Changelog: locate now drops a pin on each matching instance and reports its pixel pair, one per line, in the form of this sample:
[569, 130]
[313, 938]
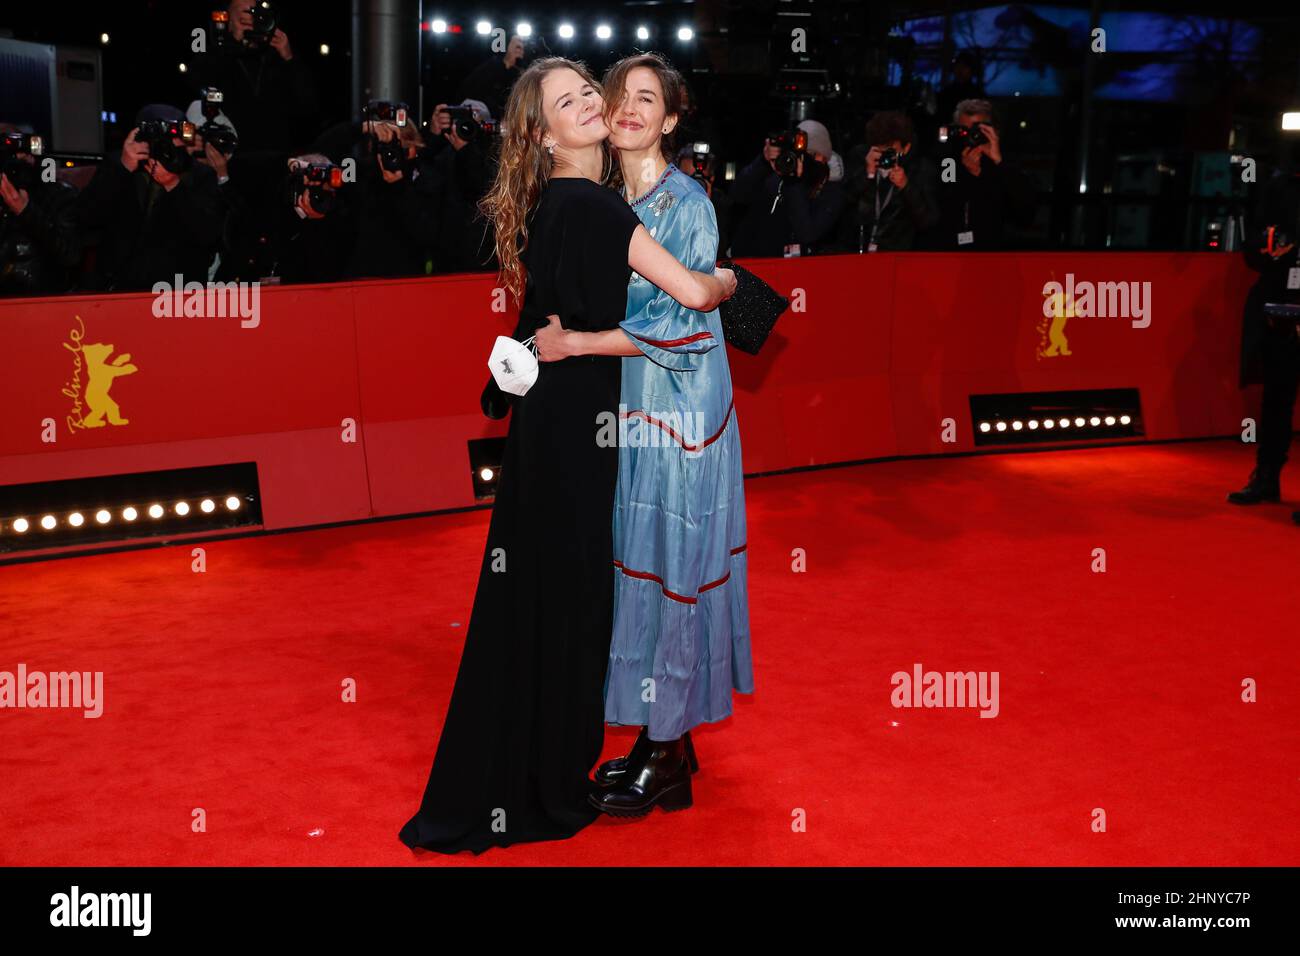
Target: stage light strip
[50, 521]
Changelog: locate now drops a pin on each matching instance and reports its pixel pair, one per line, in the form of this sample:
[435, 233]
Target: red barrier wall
[882, 349]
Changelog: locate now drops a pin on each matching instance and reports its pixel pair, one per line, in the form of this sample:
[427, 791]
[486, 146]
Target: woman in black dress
[526, 720]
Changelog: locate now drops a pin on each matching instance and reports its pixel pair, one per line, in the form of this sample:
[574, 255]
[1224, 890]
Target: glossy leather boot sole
[675, 797]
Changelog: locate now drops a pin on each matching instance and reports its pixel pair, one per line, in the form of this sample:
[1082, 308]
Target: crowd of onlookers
[219, 190]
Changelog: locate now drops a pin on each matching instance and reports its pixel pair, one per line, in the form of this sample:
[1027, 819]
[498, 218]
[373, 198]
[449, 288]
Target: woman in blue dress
[681, 614]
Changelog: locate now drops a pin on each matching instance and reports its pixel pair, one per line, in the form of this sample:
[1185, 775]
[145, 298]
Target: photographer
[39, 247]
[463, 153]
[156, 213]
[988, 191]
[1270, 349]
[269, 94]
[315, 223]
[701, 165]
[790, 198]
[215, 141]
[891, 189]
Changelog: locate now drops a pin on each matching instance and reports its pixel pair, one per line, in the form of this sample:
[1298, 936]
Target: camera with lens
[793, 145]
[889, 158]
[21, 174]
[161, 134]
[958, 138]
[320, 181]
[264, 24]
[391, 153]
[467, 127]
[701, 160]
[220, 135]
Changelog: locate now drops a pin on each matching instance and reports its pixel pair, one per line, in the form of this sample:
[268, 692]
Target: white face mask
[513, 364]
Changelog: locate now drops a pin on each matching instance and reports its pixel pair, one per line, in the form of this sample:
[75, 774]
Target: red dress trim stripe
[682, 598]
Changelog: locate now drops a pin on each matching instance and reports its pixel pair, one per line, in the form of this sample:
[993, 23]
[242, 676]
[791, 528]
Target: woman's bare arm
[695, 290]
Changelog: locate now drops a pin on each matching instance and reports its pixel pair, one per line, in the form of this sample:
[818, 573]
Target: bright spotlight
[1049, 422]
[129, 513]
[208, 506]
[155, 511]
[603, 32]
[1291, 121]
[21, 525]
[642, 33]
[486, 473]
[1016, 426]
[439, 26]
[183, 68]
[685, 34]
[524, 29]
[1065, 423]
[76, 519]
[182, 508]
[566, 31]
[1033, 424]
[324, 49]
[1110, 419]
[985, 427]
[48, 522]
[1124, 420]
[1002, 426]
[1094, 421]
[1080, 422]
[232, 503]
[483, 27]
[103, 516]
[103, 38]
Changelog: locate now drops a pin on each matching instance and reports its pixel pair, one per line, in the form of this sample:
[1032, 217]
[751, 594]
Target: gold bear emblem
[101, 374]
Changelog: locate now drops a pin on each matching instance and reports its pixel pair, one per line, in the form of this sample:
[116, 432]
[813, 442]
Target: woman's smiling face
[639, 119]
[573, 109]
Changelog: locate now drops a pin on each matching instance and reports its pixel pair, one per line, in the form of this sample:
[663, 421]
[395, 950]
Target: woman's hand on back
[552, 341]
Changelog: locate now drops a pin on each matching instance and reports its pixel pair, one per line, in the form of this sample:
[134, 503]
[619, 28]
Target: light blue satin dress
[681, 612]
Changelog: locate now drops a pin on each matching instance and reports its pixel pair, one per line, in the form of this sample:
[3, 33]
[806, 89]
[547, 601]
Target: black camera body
[793, 145]
[701, 157]
[889, 158]
[264, 25]
[161, 134]
[20, 173]
[958, 138]
[320, 181]
[391, 153]
[467, 127]
[221, 136]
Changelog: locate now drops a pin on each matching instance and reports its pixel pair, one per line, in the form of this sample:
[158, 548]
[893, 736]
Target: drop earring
[550, 150]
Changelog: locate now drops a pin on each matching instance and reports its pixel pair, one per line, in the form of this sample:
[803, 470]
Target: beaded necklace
[651, 191]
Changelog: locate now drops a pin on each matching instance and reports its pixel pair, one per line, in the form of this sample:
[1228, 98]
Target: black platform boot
[616, 769]
[664, 780]
[1263, 485]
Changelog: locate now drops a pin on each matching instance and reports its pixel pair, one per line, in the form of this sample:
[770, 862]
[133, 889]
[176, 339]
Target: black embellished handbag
[748, 316]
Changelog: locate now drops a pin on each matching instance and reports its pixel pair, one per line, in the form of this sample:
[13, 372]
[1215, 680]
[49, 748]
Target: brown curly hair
[523, 168]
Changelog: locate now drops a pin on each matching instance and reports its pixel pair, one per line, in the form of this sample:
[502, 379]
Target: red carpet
[1119, 691]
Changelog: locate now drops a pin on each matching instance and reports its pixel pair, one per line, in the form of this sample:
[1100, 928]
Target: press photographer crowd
[243, 182]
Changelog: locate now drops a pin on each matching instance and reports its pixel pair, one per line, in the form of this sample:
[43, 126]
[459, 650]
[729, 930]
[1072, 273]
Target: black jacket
[761, 230]
[146, 234]
[905, 215]
[1278, 205]
[982, 205]
[40, 249]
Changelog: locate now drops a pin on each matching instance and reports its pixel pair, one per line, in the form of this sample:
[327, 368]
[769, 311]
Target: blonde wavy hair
[523, 167]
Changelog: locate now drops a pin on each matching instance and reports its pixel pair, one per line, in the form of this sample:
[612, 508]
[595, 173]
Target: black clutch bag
[748, 316]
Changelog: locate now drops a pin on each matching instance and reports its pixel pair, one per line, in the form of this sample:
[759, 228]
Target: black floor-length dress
[526, 720]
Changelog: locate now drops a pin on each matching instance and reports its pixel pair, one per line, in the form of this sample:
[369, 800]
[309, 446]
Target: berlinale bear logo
[92, 358]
